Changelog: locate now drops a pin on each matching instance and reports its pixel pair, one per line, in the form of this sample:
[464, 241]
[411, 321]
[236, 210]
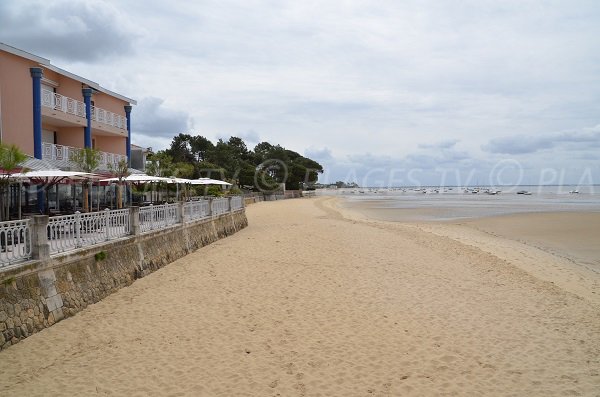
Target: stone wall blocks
[67, 284]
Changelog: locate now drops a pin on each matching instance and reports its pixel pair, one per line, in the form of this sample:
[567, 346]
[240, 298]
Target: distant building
[50, 113]
[139, 157]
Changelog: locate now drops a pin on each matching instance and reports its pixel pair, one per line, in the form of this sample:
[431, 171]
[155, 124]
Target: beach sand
[311, 301]
[561, 247]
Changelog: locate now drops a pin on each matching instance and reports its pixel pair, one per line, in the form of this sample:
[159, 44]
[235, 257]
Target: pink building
[49, 113]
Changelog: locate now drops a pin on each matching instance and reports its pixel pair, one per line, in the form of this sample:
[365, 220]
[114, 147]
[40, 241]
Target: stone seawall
[40, 293]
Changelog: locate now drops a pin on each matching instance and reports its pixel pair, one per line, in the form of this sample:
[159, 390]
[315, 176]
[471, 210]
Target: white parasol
[209, 181]
[140, 178]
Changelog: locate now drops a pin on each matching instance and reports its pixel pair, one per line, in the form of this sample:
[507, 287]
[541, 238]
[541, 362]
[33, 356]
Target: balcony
[109, 118]
[71, 112]
[65, 154]
[62, 103]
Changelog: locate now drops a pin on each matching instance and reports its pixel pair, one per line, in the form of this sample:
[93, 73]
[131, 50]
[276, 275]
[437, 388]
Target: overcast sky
[376, 91]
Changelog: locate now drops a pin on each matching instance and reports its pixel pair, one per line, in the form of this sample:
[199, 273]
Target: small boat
[574, 192]
[524, 192]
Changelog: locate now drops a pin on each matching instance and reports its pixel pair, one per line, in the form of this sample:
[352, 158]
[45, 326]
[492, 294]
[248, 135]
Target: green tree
[206, 169]
[120, 171]
[200, 147]
[189, 148]
[11, 158]
[86, 160]
[181, 150]
[160, 164]
[225, 157]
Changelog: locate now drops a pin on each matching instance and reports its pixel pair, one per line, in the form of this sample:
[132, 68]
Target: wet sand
[313, 301]
[570, 234]
[560, 247]
[573, 235]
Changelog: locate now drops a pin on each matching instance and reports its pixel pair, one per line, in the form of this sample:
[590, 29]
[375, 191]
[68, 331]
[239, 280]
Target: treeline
[262, 168]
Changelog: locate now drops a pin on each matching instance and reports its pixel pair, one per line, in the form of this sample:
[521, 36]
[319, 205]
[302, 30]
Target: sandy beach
[311, 300]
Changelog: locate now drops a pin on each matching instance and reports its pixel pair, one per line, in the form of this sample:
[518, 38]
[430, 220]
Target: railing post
[40, 248]
[180, 213]
[152, 210]
[77, 229]
[134, 220]
[106, 222]
[229, 203]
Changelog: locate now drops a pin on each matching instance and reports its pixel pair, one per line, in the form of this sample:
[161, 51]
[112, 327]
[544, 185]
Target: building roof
[143, 149]
[46, 64]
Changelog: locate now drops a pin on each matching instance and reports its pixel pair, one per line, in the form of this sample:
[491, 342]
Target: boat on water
[493, 192]
[574, 192]
[524, 192]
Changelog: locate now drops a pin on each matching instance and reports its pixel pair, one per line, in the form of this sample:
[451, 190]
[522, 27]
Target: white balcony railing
[51, 151]
[109, 118]
[62, 103]
[65, 104]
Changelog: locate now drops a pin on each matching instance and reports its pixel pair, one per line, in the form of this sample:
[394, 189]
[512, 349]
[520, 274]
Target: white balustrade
[155, 217]
[69, 105]
[195, 210]
[15, 242]
[237, 202]
[219, 206]
[51, 151]
[62, 103]
[69, 232]
[106, 117]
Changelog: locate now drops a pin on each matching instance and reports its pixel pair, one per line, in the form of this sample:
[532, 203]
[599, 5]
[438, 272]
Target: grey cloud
[530, 144]
[250, 137]
[153, 142]
[151, 118]
[447, 144]
[323, 154]
[71, 30]
[517, 144]
[319, 110]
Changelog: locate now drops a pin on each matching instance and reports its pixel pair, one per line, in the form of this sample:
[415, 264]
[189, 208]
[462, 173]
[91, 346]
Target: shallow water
[448, 204]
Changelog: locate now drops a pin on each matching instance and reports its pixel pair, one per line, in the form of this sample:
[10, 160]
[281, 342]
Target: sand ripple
[306, 303]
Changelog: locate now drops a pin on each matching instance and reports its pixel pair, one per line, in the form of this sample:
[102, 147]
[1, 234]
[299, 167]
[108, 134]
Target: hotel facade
[50, 113]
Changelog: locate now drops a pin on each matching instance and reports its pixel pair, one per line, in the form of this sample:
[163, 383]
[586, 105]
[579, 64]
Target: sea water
[454, 203]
